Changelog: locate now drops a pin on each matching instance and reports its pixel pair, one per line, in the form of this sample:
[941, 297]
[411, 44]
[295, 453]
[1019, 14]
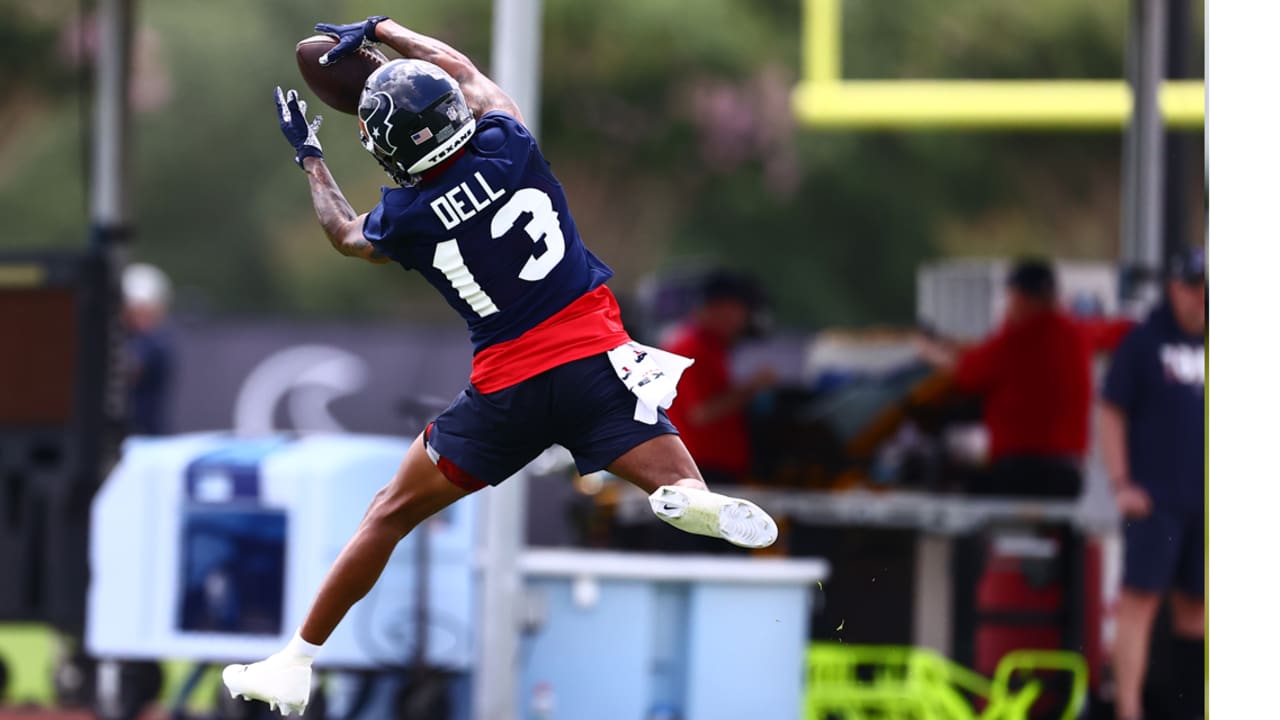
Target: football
[339, 84]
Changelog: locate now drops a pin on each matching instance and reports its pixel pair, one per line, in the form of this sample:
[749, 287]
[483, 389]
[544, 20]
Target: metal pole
[109, 223]
[109, 208]
[1177, 146]
[517, 54]
[1142, 244]
[517, 33]
[109, 226]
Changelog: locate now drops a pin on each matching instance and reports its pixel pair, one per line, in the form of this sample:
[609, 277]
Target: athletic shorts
[1163, 551]
[482, 439]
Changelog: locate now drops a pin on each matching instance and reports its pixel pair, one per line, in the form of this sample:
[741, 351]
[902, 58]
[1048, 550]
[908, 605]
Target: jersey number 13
[544, 227]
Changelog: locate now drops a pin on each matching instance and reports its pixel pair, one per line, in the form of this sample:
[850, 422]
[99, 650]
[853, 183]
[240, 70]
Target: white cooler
[211, 547]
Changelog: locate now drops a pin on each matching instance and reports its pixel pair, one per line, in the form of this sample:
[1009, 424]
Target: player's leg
[662, 467]
[417, 491]
[1187, 598]
[1188, 615]
[1187, 605]
[1151, 551]
[593, 415]
[1135, 614]
[659, 461]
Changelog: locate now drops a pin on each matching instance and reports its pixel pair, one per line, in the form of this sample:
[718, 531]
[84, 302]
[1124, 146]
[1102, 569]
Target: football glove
[350, 37]
[293, 123]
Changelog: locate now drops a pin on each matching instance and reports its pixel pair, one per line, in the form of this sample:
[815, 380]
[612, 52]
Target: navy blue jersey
[149, 360]
[493, 233]
[1157, 378]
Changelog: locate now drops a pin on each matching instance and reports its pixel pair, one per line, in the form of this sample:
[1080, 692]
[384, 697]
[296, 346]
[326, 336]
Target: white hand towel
[650, 374]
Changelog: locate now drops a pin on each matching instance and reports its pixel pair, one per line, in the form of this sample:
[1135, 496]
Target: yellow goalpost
[823, 98]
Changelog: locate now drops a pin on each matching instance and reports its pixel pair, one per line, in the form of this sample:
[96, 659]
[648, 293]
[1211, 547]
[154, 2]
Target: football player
[477, 212]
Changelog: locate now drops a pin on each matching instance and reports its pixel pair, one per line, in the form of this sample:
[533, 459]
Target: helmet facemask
[402, 178]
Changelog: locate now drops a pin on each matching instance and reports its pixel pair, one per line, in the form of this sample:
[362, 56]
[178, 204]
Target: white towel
[650, 374]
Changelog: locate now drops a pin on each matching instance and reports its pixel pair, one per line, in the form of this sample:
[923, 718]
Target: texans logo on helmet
[376, 124]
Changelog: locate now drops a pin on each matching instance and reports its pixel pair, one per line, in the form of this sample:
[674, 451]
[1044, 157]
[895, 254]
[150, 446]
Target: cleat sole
[701, 512]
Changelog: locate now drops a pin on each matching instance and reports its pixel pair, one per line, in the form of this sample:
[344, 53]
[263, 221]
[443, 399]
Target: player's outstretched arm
[344, 228]
[341, 224]
[482, 93]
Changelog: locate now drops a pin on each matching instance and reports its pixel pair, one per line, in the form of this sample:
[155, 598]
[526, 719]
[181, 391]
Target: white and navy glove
[293, 123]
[350, 37]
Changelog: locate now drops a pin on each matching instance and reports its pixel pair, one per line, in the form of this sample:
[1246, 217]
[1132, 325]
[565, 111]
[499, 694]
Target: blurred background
[199, 397]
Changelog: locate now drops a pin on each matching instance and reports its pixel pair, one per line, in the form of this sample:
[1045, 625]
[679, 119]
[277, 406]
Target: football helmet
[412, 116]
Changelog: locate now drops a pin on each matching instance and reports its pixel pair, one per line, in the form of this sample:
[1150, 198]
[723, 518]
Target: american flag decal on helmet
[421, 136]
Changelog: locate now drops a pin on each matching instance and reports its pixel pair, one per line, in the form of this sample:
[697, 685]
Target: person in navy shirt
[480, 216]
[1152, 435]
[149, 348]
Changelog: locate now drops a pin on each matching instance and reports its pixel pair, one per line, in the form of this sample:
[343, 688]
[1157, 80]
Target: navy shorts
[1165, 550]
[482, 439]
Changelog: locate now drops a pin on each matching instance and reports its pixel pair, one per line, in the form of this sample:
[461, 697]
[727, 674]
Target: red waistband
[588, 326]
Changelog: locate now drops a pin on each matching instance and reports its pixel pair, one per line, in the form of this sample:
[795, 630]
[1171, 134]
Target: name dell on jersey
[452, 208]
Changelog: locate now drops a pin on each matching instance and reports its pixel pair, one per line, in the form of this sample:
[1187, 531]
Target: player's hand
[1133, 501]
[934, 351]
[293, 123]
[350, 37]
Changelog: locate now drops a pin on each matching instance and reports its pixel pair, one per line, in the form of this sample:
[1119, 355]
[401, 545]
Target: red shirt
[721, 444]
[1035, 378]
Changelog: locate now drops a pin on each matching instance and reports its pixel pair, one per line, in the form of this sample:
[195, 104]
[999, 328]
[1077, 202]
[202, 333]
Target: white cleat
[282, 681]
[702, 512]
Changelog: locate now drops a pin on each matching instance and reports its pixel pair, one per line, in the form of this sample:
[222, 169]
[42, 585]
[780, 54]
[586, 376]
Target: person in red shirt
[1034, 376]
[710, 410]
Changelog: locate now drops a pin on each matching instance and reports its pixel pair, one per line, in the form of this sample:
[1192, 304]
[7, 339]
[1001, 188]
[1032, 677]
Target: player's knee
[1189, 626]
[1138, 605]
[410, 499]
[1188, 617]
[395, 510]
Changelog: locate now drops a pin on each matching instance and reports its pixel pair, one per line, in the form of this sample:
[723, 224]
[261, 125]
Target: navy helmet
[412, 117]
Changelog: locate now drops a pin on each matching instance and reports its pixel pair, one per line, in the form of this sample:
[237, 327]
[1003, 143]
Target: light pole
[1142, 237]
[517, 45]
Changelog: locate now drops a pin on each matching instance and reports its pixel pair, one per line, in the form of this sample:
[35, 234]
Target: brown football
[339, 84]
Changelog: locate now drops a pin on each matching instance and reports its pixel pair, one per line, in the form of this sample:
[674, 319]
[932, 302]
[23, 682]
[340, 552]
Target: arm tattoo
[336, 215]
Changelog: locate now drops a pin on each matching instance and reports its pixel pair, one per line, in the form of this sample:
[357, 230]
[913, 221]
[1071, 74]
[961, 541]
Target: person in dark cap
[1152, 435]
[710, 409]
[1034, 377]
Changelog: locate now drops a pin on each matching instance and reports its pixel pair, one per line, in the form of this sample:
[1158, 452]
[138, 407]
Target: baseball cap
[1188, 265]
[1033, 277]
[723, 284]
[143, 284]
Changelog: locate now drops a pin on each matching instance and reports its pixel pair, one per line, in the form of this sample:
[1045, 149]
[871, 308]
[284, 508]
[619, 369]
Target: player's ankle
[301, 649]
[694, 483]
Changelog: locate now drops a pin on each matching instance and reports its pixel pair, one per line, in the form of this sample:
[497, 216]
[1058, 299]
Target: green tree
[668, 122]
